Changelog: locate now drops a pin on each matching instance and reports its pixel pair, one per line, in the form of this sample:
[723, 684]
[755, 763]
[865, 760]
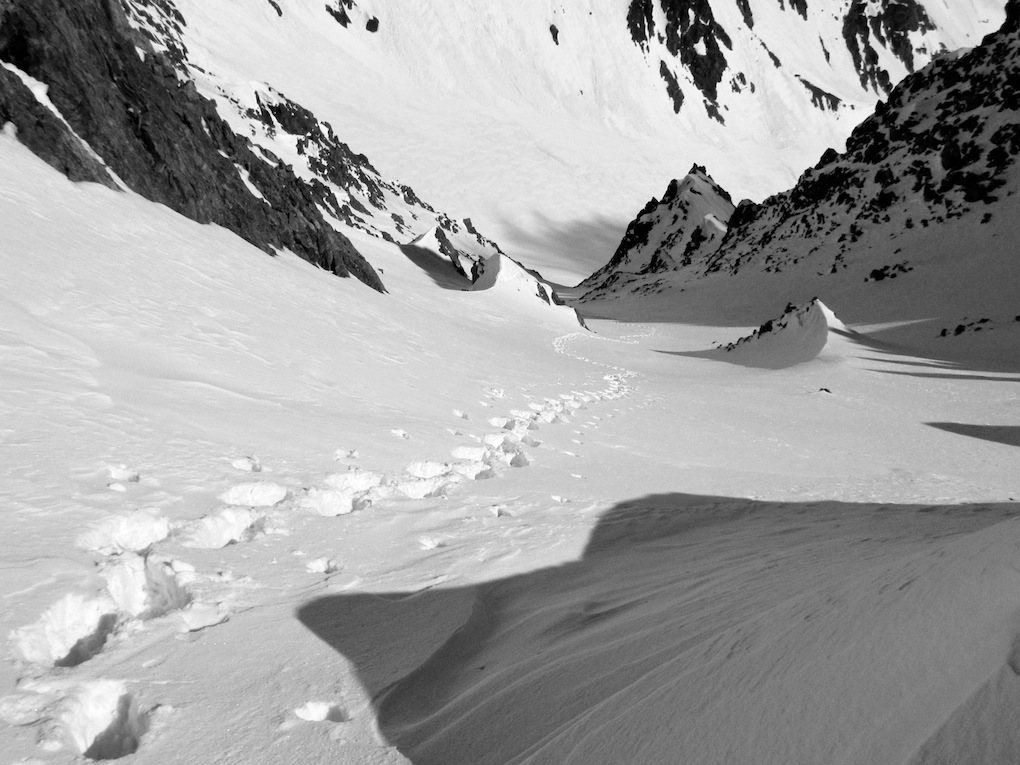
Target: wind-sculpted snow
[795, 337]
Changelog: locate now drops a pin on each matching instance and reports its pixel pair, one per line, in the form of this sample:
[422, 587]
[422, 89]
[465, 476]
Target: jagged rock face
[344, 183]
[690, 34]
[163, 139]
[667, 234]
[888, 24]
[45, 134]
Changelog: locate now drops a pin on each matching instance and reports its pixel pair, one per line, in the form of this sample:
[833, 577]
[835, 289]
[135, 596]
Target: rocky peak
[669, 233]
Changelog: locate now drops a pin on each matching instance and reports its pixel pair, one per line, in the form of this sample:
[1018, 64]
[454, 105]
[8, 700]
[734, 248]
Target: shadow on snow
[463, 675]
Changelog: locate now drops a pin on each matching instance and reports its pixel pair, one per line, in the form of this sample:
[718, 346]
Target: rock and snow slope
[914, 221]
[800, 334]
[667, 234]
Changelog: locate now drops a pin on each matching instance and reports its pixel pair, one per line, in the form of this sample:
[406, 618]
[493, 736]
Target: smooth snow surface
[255, 513]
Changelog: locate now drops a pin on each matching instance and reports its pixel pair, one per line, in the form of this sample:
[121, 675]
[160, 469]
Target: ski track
[101, 716]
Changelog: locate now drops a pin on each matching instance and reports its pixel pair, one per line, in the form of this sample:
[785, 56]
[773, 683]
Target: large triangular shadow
[462, 675]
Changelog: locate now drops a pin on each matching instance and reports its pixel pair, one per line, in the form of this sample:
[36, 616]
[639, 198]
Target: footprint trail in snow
[145, 588]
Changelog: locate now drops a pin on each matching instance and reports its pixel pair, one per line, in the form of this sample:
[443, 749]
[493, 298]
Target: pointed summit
[668, 233]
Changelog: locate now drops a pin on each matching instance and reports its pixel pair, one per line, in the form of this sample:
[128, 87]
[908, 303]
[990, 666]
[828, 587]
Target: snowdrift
[799, 335]
[476, 265]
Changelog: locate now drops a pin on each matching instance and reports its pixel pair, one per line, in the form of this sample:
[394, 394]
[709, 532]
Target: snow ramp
[802, 333]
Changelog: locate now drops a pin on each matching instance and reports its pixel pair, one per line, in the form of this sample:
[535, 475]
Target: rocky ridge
[940, 147]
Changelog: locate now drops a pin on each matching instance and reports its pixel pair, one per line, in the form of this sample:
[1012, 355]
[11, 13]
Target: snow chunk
[354, 480]
[70, 632]
[198, 616]
[125, 533]
[103, 719]
[232, 524]
[145, 588]
[254, 494]
[322, 711]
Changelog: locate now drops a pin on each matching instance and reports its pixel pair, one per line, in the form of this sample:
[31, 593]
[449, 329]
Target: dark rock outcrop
[691, 34]
[676, 95]
[46, 135]
[158, 134]
[891, 26]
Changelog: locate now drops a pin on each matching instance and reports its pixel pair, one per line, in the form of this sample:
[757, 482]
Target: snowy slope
[226, 476]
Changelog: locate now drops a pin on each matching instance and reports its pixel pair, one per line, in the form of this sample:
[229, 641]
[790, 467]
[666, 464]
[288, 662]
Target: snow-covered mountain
[913, 220]
[523, 118]
[127, 114]
[526, 130]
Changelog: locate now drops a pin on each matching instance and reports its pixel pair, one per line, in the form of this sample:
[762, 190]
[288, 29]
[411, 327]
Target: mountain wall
[122, 101]
[924, 197]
